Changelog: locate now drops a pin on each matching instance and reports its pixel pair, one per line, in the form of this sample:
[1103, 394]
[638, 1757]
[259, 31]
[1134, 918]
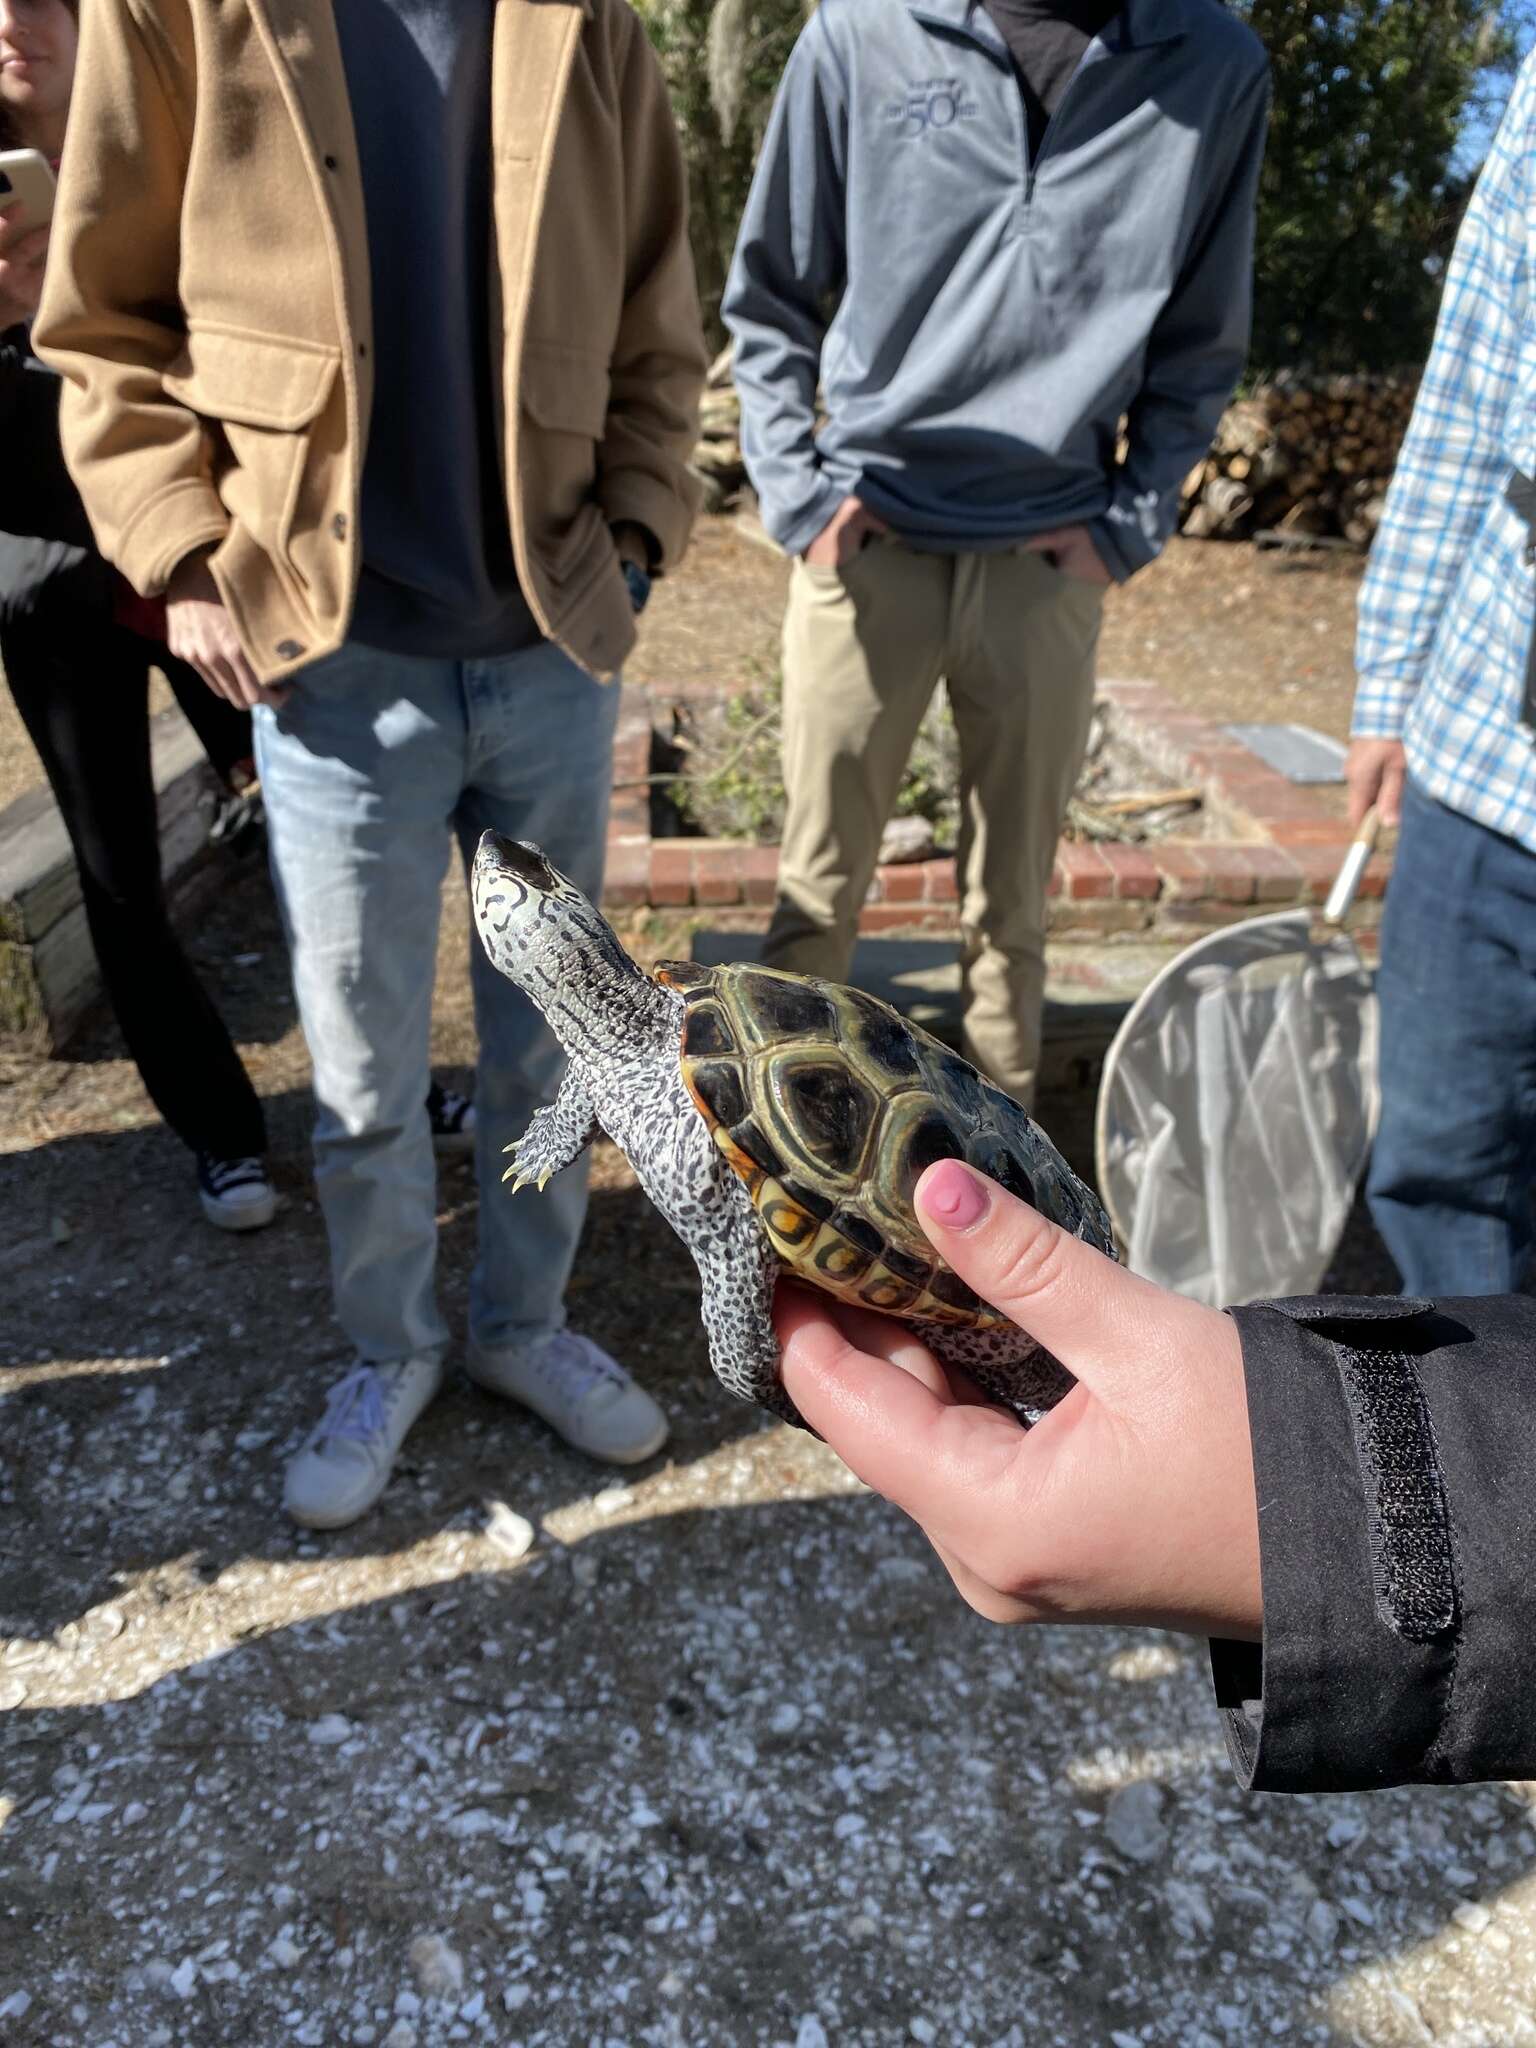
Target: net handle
[1344, 890]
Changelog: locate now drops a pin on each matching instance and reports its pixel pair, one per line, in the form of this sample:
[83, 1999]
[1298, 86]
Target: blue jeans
[1450, 1180]
[366, 771]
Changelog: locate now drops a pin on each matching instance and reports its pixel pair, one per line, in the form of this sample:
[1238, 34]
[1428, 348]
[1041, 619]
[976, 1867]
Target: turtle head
[542, 933]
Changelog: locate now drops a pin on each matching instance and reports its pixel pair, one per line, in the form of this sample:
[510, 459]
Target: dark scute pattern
[809, 1197]
[719, 1086]
[964, 1088]
[885, 1037]
[841, 1263]
[757, 1148]
[790, 1222]
[860, 1231]
[905, 1266]
[952, 1291]
[930, 1140]
[1001, 1165]
[706, 1032]
[831, 1110]
[889, 1296]
[787, 1009]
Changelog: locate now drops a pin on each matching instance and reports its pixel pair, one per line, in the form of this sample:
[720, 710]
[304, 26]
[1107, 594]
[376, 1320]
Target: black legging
[224, 731]
[82, 688]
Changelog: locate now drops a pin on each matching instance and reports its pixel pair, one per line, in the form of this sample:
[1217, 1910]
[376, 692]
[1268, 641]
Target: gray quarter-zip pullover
[981, 321]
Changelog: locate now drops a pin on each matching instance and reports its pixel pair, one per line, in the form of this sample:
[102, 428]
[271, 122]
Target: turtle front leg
[1006, 1364]
[556, 1135]
[738, 1269]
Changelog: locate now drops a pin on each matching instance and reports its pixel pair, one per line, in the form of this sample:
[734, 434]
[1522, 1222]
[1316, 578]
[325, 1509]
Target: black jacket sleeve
[37, 498]
[1395, 1457]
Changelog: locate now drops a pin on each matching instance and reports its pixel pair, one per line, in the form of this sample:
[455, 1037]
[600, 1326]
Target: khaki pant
[864, 648]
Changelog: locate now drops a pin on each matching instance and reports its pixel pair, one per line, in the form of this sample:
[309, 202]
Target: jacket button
[289, 650]
[339, 526]
[332, 164]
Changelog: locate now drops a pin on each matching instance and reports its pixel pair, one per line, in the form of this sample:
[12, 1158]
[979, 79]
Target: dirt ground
[538, 1756]
[1237, 634]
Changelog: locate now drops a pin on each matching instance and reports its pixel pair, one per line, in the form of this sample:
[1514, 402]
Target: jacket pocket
[260, 396]
[563, 406]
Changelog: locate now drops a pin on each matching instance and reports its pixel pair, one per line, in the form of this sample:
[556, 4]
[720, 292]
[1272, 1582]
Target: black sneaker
[453, 1120]
[235, 1193]
[238, 820]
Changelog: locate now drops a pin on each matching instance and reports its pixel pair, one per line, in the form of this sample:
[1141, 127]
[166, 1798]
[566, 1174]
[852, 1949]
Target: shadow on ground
[155, 1396]
[724, 1773]
[720, 1759]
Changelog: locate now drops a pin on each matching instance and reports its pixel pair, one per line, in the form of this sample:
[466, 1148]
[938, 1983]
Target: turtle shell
[830, 1104]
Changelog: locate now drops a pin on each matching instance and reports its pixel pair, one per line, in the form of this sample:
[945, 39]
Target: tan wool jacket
[207, 303]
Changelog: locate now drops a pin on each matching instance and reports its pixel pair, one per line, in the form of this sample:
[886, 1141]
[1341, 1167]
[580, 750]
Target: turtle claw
[545, 1178]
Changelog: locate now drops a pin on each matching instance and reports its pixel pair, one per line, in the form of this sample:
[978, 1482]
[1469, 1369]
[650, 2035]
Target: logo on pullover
[938, 103]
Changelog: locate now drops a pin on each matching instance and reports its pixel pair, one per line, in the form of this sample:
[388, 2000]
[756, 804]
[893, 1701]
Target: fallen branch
[715, 774]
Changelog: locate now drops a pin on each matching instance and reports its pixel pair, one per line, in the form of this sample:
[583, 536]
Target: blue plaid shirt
[1448, 605]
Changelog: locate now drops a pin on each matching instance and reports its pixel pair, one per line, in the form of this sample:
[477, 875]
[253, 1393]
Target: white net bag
[1238, 1105]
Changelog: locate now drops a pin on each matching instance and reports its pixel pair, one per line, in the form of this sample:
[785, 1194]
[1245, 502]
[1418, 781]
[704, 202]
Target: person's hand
[1132, 1501]
[1071, 549]
[23, 255]
[200, 632]
[1375, 771]
[633, 544]
[851, 526]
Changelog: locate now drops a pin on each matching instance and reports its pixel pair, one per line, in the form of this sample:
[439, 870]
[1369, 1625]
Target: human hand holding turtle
[779, 1123]
[1132, 1501]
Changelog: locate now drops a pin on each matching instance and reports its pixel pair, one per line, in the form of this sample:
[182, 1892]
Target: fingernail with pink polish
[952, 1195]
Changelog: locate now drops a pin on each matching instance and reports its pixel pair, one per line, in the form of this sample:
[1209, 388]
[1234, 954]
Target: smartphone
[26, 177]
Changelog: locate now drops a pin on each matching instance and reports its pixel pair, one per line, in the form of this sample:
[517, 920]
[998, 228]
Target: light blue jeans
[369, 769]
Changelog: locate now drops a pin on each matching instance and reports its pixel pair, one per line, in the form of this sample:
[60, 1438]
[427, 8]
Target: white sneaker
[344, 1463]
[579, 1391]
[235, 1193]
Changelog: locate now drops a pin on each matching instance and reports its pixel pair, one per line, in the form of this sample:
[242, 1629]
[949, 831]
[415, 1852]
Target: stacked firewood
[717, 458]
[1303, 457]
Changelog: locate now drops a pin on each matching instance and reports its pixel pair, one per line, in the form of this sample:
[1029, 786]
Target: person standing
[991, 232]
[1444, 728]
[78, 670]
[404, 491]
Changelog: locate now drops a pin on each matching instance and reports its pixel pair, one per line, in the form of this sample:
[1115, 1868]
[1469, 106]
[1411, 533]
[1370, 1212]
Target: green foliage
[734, 788]
[930, 785]
[723, 60]
[1362, 193]
[1364, 183]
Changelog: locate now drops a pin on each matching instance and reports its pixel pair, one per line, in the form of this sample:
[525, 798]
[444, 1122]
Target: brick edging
[1298, 846]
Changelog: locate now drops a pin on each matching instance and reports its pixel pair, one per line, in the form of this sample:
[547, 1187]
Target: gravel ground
[538, 1756]
[710, 1755]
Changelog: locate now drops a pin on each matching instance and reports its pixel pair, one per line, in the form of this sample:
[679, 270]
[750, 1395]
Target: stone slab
[1295, 751]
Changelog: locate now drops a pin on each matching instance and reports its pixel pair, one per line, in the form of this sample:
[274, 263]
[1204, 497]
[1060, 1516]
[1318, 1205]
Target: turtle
[780, 1124]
